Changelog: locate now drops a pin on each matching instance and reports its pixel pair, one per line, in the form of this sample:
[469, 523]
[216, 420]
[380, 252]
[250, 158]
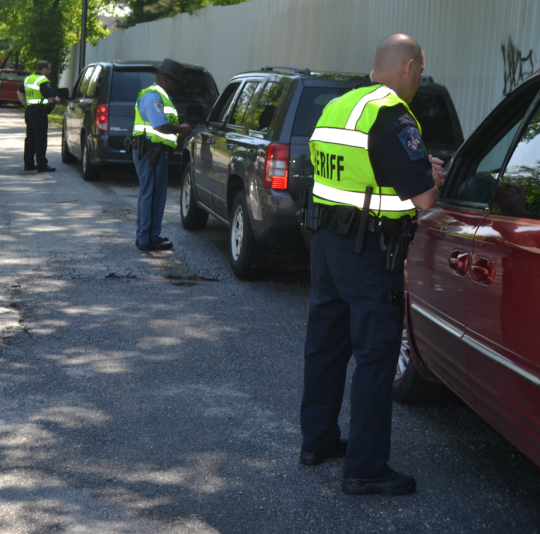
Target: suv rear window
[432, 113]
[127, 84]
[310, 108]
[13, 76]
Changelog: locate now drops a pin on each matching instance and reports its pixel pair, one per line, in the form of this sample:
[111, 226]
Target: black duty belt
[330, 217]
[333, 217]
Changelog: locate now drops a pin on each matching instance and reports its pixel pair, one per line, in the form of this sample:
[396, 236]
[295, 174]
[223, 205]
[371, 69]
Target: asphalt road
[155, 393]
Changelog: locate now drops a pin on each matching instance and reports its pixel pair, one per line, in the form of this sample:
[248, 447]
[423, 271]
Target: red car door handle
[483, 271]
[459, 262]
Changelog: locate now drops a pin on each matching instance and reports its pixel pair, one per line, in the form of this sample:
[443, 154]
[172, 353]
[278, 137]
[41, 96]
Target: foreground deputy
[36, 94]
[367, 151]
[155, 134]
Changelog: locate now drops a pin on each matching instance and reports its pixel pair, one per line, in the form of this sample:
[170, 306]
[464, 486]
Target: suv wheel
[89, 172]
[67, 156]
[247, 255]
[193, 218]
[409, 385]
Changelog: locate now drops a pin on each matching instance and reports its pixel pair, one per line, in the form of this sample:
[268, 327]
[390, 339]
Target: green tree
[45, 29]
[148, 10]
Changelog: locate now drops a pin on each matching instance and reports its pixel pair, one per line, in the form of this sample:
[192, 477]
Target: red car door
[443, 251]
[437, 266]
[503, 300]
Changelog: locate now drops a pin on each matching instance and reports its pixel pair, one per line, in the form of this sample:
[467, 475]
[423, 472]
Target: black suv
[101, 110]
[249, 164]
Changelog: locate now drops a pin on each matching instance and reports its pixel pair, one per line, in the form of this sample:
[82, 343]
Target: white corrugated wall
[462, 40]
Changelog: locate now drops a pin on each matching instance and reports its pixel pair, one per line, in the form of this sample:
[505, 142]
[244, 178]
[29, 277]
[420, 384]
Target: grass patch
[57, 114]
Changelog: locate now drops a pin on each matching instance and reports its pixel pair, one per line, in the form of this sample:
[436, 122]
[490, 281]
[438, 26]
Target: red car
[473, 277]
[10, 81]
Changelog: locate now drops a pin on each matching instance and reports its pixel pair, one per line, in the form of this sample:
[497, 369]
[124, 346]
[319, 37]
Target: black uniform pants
[350, 315]
[35, 143]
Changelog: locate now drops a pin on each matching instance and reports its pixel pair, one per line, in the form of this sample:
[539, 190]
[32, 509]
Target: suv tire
[67, 156]
[409, 385]
[246, 254]
[90, 172]
[193, 217]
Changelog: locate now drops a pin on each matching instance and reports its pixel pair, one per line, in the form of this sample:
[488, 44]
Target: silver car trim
[444, 325]
[212, 212]
[492, 355]
[488, 353]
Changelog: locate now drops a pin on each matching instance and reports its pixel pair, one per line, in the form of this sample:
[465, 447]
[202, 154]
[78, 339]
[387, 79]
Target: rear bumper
[275, 222]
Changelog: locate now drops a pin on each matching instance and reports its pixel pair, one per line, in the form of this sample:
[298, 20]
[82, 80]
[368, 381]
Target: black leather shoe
[337, 451]
[392, 483]
[31, 168]
[160, 245]
[160, 240]
[46, 169]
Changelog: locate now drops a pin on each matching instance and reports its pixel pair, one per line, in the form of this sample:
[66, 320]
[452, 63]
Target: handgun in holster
[128, 145]
[138, 143]
[398, 235]
[309, 215]
[155, 152]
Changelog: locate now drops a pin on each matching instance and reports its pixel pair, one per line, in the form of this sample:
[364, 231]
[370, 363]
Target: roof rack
[299, 70]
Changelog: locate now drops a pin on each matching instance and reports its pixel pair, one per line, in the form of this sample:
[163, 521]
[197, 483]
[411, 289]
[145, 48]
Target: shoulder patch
[158, 104]
[412, 142]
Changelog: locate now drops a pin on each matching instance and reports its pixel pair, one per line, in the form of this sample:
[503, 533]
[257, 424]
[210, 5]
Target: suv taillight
[102, 117]
[276, 169]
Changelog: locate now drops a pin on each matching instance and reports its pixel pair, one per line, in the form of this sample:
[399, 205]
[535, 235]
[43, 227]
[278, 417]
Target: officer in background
[37, 95]
[368, 153]
[155, 135]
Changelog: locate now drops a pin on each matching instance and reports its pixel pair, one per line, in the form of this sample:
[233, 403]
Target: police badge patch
[412, 142]
[158, 104]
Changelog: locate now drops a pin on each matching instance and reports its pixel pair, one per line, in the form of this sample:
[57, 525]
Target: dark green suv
[249, 163]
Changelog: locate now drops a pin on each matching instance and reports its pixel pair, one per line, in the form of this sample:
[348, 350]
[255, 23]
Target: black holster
[138, 143]
[309, 215]
[396, 237]
[347, 219]
[154, 154]
[128, 145]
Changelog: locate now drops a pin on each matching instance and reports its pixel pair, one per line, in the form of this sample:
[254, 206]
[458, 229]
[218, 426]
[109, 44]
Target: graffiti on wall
[517, 66]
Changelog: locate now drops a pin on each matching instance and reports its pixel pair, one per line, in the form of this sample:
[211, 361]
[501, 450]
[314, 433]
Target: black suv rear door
[126, 84]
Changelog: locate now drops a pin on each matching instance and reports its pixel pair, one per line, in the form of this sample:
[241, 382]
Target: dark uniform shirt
[45, 88]
[396, 152]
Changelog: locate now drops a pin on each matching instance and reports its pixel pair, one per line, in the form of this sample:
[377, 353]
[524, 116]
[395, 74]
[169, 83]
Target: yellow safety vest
[32, 89]
[141, 126]
[339, 153]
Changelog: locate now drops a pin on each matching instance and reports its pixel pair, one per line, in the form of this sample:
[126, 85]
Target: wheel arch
[234, 184]
[421, 365]
[186, 159]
